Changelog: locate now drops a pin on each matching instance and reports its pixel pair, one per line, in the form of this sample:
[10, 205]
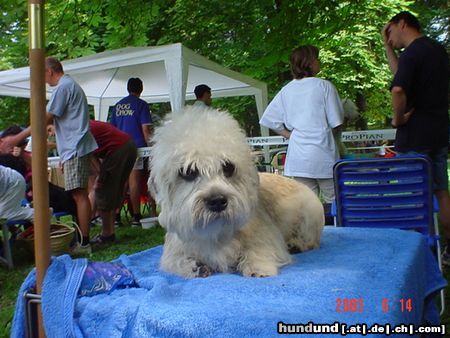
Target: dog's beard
[191, 219]
[220, 225]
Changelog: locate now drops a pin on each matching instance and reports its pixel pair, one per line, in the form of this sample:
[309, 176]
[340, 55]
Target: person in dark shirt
[419, 93]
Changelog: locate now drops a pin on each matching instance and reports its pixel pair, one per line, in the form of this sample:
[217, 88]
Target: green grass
[129, 241]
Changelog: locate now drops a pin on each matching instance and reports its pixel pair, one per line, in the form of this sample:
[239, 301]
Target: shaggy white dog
[220, 215]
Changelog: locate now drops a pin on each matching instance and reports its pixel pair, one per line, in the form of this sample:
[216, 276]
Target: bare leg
[135, 191]
[92, 182]
[107, 222]
[91, 190]
[83, 210]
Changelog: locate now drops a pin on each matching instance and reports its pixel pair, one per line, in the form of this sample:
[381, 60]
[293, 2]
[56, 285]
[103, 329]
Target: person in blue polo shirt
[132, 116]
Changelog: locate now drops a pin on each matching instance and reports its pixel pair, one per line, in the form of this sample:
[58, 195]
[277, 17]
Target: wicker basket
[61, 236]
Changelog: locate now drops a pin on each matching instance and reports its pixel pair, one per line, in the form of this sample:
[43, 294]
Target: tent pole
[39, 133]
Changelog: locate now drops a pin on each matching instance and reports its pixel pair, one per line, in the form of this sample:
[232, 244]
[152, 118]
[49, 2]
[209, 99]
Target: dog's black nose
[216, 203]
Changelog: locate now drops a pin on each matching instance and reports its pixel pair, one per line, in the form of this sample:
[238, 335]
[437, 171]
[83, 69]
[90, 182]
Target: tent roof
[166, 71]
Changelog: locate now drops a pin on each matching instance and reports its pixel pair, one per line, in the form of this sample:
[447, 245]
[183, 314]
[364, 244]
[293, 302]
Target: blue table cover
[358, 276]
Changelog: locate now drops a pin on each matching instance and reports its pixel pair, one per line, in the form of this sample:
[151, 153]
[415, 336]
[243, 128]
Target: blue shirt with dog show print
[129, 115]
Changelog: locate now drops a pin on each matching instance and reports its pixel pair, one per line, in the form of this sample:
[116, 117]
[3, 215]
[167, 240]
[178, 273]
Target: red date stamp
[349, 305]
[403, 304]
[357, 305]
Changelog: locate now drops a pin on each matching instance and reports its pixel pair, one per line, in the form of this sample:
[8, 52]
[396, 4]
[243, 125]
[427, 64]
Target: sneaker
[96, 221]
[445, 257]
[99, 239]
[79, 249]
[135, 223]
[118, 222]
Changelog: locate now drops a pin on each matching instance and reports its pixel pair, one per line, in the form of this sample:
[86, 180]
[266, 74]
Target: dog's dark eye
[228, 169]
[189, 174]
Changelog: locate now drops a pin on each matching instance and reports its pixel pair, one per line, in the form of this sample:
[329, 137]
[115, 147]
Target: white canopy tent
[170, 74]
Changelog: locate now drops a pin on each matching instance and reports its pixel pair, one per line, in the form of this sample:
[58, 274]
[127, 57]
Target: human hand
[385, 34]
[284, 132]
[401, 119]
[6, 145]
[17, 151]
[407, 115]
[51, 130]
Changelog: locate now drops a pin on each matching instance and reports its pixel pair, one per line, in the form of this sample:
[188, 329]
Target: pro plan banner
[347, 136]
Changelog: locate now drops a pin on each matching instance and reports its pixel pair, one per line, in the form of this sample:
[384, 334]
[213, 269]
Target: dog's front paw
[202, 270]
[257, 274]
[266, 271]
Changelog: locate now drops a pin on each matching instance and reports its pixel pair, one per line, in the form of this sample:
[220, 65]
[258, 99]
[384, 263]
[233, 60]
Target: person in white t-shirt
[308, 111]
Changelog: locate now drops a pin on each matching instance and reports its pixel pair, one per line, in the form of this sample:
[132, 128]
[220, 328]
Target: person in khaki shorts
[116, 155]
[68, 110]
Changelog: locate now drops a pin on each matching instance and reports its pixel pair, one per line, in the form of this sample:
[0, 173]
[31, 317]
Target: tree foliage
[435, 18]
[253, 37]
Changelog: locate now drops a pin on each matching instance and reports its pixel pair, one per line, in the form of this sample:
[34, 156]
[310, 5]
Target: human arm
[337, 130]
[48, 119]
[147, 131]
[95, 170]
[390, 52]
[334, 109]
[284, 132]
[146, 121]
[337, 135]
[8, 143]
[400, 115]
[274, 117]
[272, 121]
[392, 58]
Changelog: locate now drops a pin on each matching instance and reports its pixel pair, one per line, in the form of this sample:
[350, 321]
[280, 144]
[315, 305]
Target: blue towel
[18, 325]
[59, 292]
[358, 275]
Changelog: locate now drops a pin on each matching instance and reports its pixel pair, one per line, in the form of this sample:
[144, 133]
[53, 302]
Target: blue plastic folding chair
[388, 193]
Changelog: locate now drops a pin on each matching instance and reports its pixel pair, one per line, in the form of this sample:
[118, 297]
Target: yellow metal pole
[39, 136]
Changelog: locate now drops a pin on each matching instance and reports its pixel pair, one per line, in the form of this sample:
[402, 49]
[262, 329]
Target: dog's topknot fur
[193, 128]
